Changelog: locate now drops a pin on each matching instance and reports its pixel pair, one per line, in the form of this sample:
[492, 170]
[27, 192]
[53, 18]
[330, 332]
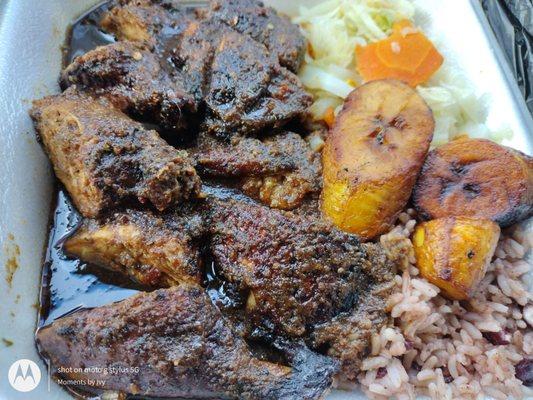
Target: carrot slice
[405, 49]
[329, 117]
[431, 64]
[371, 68]
[407, 54]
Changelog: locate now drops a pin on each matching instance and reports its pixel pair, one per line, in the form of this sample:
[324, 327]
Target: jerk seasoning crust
[105, 159]
[177, 344]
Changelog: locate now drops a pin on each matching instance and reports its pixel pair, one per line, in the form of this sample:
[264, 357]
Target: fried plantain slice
[373, 155]
[476, 178]
[454, 252]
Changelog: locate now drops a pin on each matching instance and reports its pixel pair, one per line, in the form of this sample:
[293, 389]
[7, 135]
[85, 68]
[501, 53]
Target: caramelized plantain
[453, 253]
[373, 155]
[477, 178]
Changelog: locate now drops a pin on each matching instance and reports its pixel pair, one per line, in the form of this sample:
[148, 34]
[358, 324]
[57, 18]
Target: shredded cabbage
[457, 109]
[318, 78]
[335, 27]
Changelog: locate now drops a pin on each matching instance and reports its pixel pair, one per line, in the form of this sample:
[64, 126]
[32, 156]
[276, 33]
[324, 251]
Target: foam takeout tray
[31, 35]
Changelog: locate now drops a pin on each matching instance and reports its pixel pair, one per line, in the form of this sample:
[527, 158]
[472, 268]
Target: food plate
[31, 35]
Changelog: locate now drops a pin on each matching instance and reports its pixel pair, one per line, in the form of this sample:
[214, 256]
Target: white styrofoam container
[31, 34]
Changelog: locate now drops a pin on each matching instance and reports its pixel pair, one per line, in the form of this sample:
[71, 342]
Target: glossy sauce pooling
[86, 35]
[69, 284]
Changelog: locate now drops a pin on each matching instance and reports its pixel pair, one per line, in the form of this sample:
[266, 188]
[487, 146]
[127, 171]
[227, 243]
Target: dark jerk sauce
[69, 284]
[85, 34]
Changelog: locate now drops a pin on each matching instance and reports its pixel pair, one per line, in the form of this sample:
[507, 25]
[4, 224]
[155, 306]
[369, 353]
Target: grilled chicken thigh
[247, 90]
[174, 343]
[154, 249]
[134, 82]
[105, 159]
[145, 20]
[301, 277]
[280, 171]
[263, 24]
[236, 79]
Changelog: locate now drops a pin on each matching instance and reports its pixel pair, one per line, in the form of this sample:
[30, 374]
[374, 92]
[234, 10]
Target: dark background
[512, 23]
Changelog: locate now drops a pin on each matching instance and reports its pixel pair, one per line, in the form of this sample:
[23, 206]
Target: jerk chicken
[301, 277]
[105, 159]
[279, 171]
[230, 73]
[132, 79]
[184, 348]
[154, 249]
[223, 77]
[264, 25]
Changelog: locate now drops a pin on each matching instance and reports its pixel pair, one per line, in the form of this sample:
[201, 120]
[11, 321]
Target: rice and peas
[434, 347]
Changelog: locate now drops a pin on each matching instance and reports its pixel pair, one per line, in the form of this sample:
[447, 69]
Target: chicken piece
[263, 24]
[241, 70]
[138, 20]
[280, 170]
[238, 80]
[300, 277]
[160, 27]
[133, 80]
[244, 87]
[289, 189]
[145, 21]
[173, 343]
[283, 191]
[284, 100]
[157, 250]
[244, 156]
[347, 336]
[105, 159]
[190, 54]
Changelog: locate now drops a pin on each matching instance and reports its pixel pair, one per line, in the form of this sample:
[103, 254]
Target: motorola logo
[24, 375]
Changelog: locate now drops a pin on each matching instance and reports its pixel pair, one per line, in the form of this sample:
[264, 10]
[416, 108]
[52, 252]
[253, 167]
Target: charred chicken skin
[301, 277]
[240, 76]
[280, 171]
[105, 159]
[133, 80]
[174, 343]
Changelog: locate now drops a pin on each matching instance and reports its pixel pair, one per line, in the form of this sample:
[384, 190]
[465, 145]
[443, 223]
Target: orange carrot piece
[407, 55]
[371, 68]
[432, 63]
[404, 51]
[329, 117]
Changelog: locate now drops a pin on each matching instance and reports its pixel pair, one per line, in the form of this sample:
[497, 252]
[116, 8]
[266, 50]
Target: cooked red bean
[497, 338]
[382, 371]
[446, 374]
[524, 371]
